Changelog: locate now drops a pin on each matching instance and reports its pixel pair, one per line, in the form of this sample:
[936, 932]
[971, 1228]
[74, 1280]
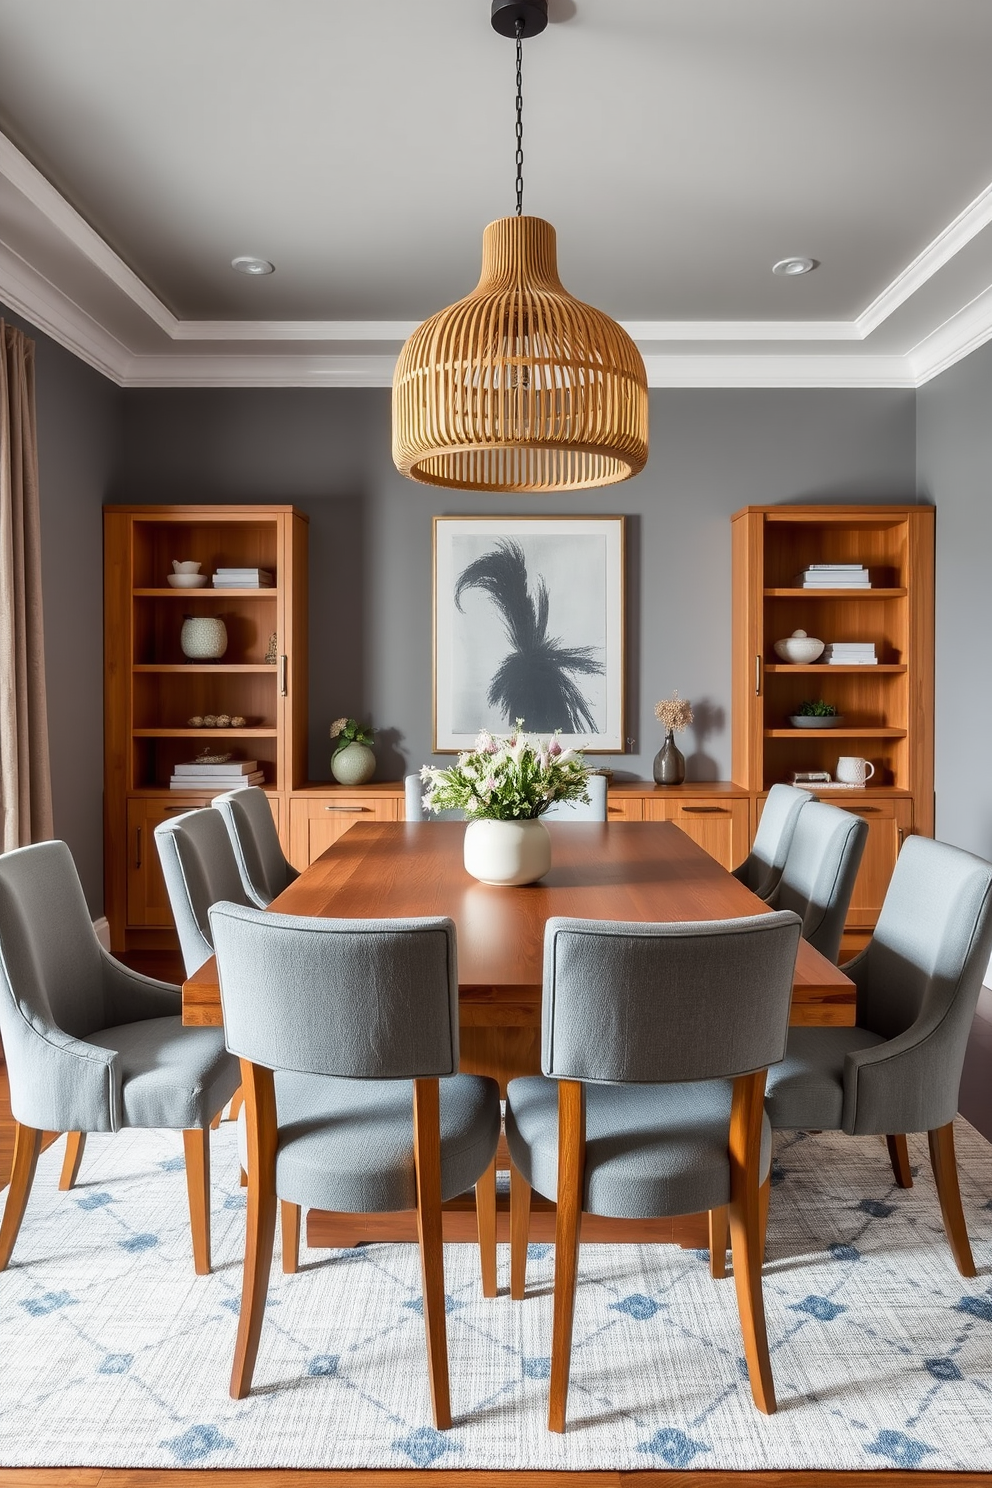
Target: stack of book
[834, 576]
[198, 775]
[243, 578]
[849, 653]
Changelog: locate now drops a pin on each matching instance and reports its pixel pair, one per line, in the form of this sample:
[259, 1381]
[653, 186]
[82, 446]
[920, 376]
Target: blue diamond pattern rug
[115, 1354]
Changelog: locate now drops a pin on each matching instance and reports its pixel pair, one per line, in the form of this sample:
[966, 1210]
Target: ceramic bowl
[186, 566]
[802, 720]
[188, 580]
[800, 650]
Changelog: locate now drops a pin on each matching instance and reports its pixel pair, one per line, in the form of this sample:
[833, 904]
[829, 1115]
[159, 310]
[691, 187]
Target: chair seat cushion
[171, 1076]
[807, 1088]
[348, 1144]
[651, 1150]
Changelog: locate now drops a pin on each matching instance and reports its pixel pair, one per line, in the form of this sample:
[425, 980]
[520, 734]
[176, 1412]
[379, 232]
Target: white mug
[851, 770]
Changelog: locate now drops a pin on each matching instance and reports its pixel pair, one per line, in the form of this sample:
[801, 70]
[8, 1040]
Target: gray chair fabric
[593, 810]
[918, 980]
[348, 1013]
[199, 868]
[264, 868]
[820, 869]
[414, 809]
[655, 1019]
[761, 870]
[90, 1045]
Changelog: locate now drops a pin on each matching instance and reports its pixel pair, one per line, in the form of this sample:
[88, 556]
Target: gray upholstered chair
[657, 1039]
[92, 1046]
[414, 809]
[199, 868]
[264, 868]
[819, 872]
[593, 810]
[898, 1070]
[762, 868]
[347, 1031]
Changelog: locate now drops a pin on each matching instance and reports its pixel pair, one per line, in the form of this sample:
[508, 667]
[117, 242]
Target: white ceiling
[680, 147]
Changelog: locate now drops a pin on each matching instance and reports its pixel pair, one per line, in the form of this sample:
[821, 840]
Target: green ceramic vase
[353, 765]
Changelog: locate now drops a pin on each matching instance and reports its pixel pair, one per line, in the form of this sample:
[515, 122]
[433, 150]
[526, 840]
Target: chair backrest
[414, 808]
[361, 999]
[762, 868]
[818, 878]
[650, 1003]
[594, 810]
[199, 868]
[51, 962]
[263, 866]
[931, 946]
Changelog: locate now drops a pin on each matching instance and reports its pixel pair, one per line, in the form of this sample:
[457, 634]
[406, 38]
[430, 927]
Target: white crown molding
[248, 370]
[30, 294]
[797, 371]
[959, 335]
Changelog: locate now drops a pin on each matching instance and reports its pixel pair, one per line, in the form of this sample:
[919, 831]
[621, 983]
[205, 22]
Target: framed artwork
[528, 623]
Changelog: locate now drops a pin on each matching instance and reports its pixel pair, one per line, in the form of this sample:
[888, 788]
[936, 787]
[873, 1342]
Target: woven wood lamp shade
[520, 387]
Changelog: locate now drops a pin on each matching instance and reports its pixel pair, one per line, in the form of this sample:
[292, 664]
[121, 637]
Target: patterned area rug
[115, 1354]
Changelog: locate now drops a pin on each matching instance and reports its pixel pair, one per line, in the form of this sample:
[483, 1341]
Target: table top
[638, 871]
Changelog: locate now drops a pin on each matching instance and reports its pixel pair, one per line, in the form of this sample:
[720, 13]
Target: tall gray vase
[669, 763]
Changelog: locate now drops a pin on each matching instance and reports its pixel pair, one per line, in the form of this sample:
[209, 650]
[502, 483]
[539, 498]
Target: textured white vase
[203, 637]
[507, 852]
[353, 765]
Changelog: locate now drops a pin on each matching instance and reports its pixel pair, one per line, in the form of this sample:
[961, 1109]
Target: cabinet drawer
[624, 808]
[315, 822]
[719, 826]
[889, 822]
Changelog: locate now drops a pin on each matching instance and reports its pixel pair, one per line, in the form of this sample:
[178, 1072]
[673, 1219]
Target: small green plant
[349, 731]
[818, 709]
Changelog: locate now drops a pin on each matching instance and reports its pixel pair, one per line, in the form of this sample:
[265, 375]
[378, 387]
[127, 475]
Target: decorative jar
[669, 762]
[507, 852]
[353, 765]
[203, 637]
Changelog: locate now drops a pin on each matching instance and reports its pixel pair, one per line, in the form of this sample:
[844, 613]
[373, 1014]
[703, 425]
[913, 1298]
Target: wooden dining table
[634, 871]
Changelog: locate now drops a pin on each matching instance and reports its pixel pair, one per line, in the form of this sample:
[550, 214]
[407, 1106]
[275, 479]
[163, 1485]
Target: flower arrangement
[674, 713]
[511, 779]
[348, 731]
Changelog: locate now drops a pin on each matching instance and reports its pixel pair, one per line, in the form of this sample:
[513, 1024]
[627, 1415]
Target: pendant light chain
[520, 117]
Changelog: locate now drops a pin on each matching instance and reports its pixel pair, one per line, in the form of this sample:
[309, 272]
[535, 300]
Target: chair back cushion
[594, 810]
[818, 878]
[414, 809]
[931, 946]
[261, 862]
[199, 868]
[51, 964]
[362, 999]
[650, 1003]
[762, 868]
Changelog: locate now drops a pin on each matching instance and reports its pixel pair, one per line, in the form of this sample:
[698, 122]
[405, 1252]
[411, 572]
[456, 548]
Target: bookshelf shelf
[887, 668]
[825, 593]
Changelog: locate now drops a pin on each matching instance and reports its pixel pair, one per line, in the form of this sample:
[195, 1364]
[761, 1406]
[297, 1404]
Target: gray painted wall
[954, 435]
[712, 451]
[79, 438]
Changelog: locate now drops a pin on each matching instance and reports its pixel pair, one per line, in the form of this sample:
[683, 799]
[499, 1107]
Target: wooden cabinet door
[315, 822]
[624, 808]
[719, 826]
[889, 820]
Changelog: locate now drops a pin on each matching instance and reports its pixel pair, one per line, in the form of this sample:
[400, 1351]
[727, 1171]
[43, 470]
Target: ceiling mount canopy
[519, 386]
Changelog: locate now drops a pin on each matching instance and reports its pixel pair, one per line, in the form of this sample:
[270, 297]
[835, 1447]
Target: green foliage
[348, 731]
[818, 709]
[512, 779]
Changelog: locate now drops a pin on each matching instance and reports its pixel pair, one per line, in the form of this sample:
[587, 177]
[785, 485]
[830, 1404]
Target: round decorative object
[804, 720]
[223, 720]
[353, 765]
[208, 721]
[187, 580]
[237, 721]
[507, 852]
[203, 637]
[195, 722]
[669, 763]
[799, 648]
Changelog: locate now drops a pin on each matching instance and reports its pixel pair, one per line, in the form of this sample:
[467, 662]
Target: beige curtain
[25, 777]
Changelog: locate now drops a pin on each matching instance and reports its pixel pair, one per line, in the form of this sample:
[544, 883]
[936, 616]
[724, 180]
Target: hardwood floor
[976, 1106]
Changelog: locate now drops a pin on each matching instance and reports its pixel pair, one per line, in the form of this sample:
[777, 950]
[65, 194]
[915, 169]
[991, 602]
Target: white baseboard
[102, 928]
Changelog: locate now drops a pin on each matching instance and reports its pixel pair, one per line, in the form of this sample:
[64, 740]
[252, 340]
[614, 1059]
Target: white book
[229, 767]
[211, 782]
[834, 567]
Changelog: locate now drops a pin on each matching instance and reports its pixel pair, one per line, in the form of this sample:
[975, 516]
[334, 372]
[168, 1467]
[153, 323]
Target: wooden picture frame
[529, 619]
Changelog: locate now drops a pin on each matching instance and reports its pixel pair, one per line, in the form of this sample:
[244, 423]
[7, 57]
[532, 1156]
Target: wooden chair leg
[215, 1123]
[237, 1101]
[196, 1146]
[289, 1215]
[899, 1158]
[74, 1144]
[745, 1232]
[485, 1216]
[427, 1162]
[27, 1145]
[718, 1242]
[519, 1233]
[764, 1204]
[945, 1172]
[568, 1223]
[260, 1226]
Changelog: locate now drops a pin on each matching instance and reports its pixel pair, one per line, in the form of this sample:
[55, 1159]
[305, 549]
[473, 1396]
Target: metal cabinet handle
[284, 676]
[352, 810]
[902, 835]
[137, 848]
[705, 810]
[757, 676]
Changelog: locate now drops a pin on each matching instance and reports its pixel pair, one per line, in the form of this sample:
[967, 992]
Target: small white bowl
[186, 566]
[800, 650]
[188, 580]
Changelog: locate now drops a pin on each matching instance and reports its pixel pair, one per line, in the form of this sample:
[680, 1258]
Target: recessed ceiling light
[245, 264]
[793, 266]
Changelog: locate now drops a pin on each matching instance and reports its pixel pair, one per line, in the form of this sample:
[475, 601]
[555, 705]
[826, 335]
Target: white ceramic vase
[507, 852]
[353, 765]
[203, 637]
